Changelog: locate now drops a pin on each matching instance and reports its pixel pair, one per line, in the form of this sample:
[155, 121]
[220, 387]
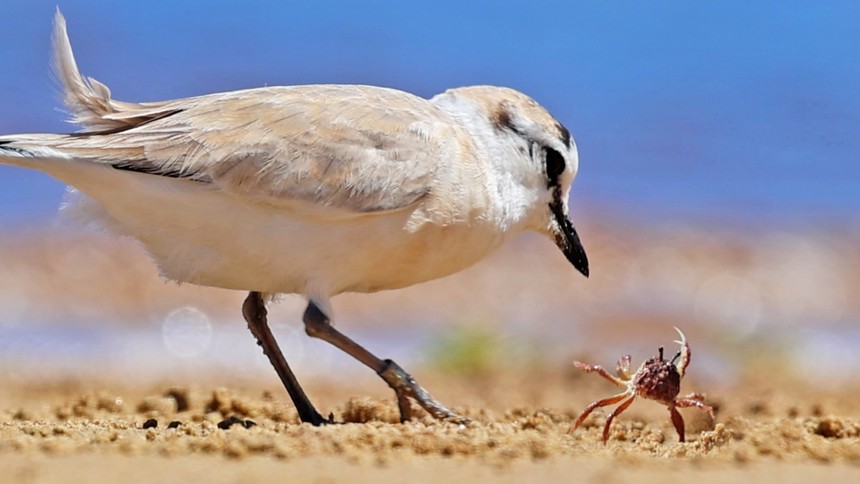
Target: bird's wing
[358, 149]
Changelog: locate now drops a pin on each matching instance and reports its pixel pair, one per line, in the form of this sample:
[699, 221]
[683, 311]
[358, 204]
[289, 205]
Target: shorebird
[313, 190]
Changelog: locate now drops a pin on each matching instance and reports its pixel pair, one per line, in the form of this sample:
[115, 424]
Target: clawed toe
[405, 387]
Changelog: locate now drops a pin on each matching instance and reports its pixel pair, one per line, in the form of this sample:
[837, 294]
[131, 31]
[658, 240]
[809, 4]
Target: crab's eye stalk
[554, 166]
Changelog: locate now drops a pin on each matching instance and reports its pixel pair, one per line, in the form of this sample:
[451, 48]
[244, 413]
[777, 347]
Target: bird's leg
[254, 310]
[317, 325]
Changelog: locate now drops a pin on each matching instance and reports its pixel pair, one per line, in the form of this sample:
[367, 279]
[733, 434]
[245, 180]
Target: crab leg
[600, 403]
[600, 371]
[695, 400]
[678, 422]
[614, 414]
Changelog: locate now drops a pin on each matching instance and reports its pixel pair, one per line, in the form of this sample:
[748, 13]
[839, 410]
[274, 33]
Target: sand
[67, 432]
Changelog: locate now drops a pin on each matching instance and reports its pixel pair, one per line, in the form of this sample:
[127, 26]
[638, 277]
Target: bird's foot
[313, 417]
[406, 387]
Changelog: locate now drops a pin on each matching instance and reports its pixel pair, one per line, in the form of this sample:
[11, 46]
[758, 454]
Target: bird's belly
[203, 236]
[319, 259]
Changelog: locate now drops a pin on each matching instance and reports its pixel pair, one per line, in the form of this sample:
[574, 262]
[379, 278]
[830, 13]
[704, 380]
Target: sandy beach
[72, 433]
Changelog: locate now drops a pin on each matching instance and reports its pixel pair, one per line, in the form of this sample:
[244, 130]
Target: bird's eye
[554, 166]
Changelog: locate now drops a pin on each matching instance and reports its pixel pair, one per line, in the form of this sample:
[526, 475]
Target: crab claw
[684, 361]
[622, 369]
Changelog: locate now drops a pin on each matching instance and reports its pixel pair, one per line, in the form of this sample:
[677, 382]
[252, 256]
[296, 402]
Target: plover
[313, 190]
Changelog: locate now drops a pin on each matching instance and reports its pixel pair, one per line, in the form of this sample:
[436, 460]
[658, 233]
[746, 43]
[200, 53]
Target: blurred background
[718, 188]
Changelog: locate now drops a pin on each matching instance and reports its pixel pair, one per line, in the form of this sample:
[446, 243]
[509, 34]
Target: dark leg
[678, 422]
[254, 310]
[317, 325]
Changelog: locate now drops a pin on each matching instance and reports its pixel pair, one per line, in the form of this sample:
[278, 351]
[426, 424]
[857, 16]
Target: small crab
[657, 379]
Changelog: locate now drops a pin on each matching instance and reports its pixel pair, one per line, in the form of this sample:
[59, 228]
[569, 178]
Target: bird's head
[536, 160]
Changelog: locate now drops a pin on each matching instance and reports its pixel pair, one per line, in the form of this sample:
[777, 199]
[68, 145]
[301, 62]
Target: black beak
[567, 239]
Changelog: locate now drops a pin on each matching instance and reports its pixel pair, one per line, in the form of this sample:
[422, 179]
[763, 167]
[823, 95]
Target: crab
[656, 379]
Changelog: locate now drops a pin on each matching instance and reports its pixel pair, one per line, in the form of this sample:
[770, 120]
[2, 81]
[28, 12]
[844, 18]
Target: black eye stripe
[565, 134]
[554, 166]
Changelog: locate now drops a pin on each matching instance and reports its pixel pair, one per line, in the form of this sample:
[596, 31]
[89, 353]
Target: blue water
[734, 110]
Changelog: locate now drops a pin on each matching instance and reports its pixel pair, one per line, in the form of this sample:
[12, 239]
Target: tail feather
[90, 105]
[88, 100]
[11, 154]
[29, 150]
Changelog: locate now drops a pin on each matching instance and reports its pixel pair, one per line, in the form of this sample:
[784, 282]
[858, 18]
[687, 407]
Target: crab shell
[659, 379]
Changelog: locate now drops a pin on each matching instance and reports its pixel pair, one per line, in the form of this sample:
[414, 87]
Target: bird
[313, 190]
